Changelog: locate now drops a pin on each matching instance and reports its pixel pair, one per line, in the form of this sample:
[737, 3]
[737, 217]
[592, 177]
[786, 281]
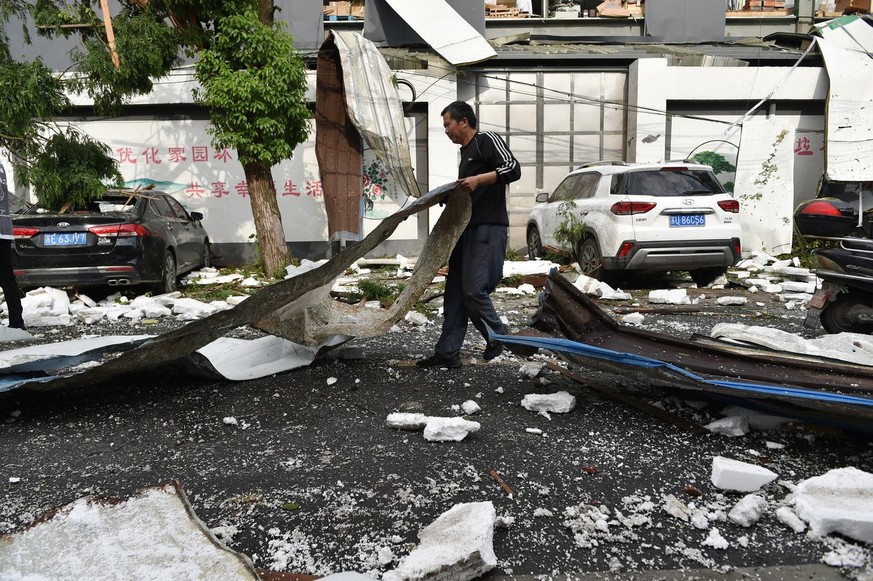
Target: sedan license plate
[64, 239]
[679, 220]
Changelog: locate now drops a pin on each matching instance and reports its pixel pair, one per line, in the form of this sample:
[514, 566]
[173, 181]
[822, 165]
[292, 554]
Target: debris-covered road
[299, 472]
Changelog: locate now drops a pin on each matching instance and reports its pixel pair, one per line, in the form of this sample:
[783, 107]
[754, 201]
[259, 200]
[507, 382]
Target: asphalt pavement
[307, 478]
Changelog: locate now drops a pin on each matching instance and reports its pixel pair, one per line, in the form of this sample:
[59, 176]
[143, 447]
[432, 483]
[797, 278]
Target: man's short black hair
[461, 110]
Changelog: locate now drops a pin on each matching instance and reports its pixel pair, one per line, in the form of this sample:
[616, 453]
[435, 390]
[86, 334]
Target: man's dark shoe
[440, 361]
[493, 351]
[18, 326]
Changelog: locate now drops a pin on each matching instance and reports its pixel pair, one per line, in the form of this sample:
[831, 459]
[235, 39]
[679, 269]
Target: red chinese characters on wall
[206, 189]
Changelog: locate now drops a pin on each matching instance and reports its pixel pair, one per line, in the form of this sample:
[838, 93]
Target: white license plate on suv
[680, 220]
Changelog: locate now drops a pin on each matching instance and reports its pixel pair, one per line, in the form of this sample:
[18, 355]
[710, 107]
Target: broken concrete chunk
[840, 501]
[748, 510]
[729, 474]
[406, 421]
[457, 546]
[559, 403]
[448, 429]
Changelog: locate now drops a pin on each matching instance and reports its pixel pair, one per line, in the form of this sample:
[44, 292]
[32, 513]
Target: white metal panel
[444, 30]
[849, 124]
[849, 32]
[765, 185]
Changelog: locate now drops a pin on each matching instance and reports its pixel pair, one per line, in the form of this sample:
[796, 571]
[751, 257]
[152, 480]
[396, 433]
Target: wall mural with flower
[382, 197]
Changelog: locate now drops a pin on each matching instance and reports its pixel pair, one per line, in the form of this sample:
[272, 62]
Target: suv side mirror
[542, 197]
[196, 216]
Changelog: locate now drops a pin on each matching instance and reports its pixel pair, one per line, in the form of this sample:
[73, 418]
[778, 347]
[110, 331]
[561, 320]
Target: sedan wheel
[168, 275]
[534, 243]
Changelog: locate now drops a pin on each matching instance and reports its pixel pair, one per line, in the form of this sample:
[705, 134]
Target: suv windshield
[666, 182]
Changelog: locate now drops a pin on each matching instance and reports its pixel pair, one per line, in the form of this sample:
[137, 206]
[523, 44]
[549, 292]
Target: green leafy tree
[255, 88]
[252, 81]
[718, 164]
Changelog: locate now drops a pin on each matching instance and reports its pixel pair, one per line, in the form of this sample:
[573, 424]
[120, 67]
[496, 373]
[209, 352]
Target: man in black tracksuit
[476, 262]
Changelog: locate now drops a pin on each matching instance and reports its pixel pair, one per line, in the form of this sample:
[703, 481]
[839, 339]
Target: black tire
[836, 317]
[206, 259]
[534, 243]
[589, 258]
[705, 276]
[169, 275]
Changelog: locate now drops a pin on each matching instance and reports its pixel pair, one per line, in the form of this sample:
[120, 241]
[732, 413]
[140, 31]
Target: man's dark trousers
[475, 268]
[7, 283]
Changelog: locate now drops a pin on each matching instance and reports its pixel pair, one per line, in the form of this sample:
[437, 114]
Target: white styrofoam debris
[729, 474]
[798, 287]
[587, 285]
[530, 369]
[715, 540]
[406, 421]
[731, 301]
[748, 510]
[448, 429]
[673, 296]
[560, 403]
[676, 508]
[633, 319]
[789, 518]
[731, 426]
[331, 380]
[187, 306]
[527, 267]
[534, 431]
[416, 318]
[230, 421]
[348, 576]
[839, 501]
[608, 293]
[470, 407]
[457, 546]
[89, 302]
[757, 420]
[236, 299]
[842, 346]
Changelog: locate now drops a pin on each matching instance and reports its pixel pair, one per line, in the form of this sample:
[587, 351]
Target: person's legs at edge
[9, 286]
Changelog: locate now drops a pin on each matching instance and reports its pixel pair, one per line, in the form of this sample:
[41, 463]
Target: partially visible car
[124, 238]
[641, 217]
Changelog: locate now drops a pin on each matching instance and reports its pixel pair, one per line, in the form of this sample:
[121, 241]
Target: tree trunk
[268, 221]
[266, 12]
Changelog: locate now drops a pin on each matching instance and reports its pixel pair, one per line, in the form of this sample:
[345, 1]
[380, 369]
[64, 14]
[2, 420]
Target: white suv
[645, 216]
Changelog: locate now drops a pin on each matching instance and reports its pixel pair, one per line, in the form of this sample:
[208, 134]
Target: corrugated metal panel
[337, 148]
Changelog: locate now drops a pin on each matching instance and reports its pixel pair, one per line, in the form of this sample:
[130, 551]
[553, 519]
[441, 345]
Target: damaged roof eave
[439, 25]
